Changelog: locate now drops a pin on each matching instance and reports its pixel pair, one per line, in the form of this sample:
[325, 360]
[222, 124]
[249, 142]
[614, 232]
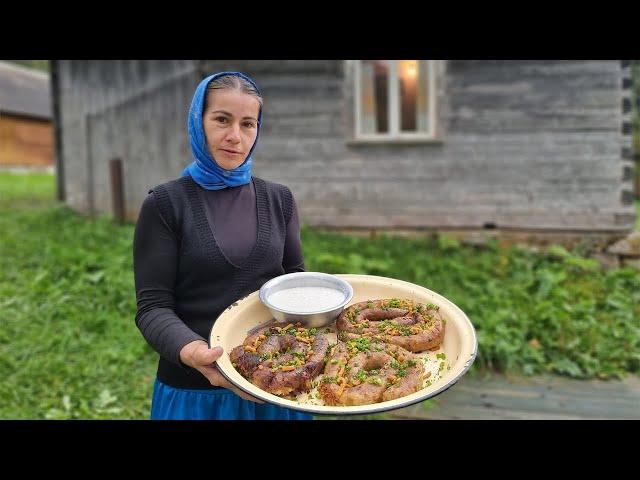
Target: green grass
[637, 214]
[69, 347]
[26, 190]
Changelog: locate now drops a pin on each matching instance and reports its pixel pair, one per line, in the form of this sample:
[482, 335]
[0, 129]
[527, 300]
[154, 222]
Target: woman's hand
[198, 355]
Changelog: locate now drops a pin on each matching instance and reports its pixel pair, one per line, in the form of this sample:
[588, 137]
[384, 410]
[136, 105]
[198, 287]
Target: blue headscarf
[204, 170]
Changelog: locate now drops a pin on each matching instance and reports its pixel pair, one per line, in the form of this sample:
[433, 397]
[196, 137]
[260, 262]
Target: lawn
[69, 347]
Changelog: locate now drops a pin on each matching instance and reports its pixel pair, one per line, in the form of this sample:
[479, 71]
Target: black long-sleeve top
[196, 251]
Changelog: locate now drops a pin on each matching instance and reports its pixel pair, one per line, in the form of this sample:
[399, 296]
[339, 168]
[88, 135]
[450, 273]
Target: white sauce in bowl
[306, 299]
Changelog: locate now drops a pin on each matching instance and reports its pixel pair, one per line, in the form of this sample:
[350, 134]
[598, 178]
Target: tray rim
[355, 409]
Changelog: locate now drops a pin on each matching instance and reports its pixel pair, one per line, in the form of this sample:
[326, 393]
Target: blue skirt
[170, 403]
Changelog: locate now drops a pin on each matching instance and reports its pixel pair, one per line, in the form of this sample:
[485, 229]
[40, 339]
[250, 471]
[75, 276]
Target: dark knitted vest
[206, 282]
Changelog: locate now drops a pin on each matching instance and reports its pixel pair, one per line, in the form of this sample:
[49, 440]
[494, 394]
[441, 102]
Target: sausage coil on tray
[410, 325]
[365, 371]
[281, 358]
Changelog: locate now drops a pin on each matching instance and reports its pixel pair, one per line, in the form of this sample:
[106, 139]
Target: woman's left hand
[198, 355]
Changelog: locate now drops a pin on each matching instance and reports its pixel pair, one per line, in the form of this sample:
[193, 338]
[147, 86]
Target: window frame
[395, 135]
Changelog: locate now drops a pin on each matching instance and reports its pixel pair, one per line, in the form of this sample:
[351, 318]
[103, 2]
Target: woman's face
[230, 123]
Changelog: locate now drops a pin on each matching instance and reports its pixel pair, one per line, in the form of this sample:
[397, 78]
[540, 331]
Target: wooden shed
[26, 130]
[532, 145]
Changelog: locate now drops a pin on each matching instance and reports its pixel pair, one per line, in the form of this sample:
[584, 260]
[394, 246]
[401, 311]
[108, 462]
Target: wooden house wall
[523, 144]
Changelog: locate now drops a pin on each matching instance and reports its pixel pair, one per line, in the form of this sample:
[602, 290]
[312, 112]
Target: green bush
[553, 312]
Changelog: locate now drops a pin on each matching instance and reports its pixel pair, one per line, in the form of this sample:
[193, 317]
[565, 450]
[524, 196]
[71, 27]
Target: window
[395, 100]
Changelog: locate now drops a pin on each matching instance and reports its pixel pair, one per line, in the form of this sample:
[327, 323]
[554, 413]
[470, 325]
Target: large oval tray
[447, 364]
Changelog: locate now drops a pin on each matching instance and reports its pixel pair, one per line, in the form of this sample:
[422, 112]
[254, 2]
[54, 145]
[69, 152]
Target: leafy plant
[552, 312]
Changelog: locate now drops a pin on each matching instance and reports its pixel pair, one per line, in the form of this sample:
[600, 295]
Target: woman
[202, 242]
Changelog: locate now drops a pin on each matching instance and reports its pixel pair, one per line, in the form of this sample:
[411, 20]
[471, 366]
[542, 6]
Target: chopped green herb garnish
[362, 344]
[393, 303]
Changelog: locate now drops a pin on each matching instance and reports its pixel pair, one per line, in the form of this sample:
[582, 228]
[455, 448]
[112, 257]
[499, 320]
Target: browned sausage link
[342, 322]
[401, 354]
[338, 359]
[251, 339]
[377, 314]
[406, 320]
[425, 340]
[262, 376]
[289, 341]
[287, 345]
[236, 353]
[315, 363]
[386, 384]
[356, 363]
[407, 385]
[370, 312]
[282, 359]
[270, 357]
[285, 383]
[270, 345]
[430, 337]
[292, 381]
[367, 361]
[270, 328]
[246, 362]
[369, 316]
[328, 389]
[276, 343]
[363, 394]
[293, 347]
[346, 336]
[376, 327]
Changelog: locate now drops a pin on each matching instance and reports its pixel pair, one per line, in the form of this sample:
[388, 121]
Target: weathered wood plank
[515, 96]
[606, 171]
[461, 219]
[421, 194]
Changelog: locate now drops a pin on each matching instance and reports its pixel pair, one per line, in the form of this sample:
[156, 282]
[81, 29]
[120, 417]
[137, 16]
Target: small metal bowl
[314, 319]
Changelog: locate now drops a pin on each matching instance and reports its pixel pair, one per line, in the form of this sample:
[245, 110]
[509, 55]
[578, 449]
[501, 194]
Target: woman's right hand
[198, 355]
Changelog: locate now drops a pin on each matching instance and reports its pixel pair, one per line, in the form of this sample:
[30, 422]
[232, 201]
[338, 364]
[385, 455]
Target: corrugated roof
[24, 91]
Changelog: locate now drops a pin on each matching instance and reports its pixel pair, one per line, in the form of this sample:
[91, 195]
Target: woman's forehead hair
[234, 82]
